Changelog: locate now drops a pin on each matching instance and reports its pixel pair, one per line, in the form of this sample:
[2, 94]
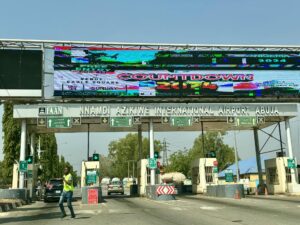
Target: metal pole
[22, 151]
[151, 140]
[133, 169]
[127, 169]
[202, 131]
[290, 148]
[140, 141]
[236, 159]
[280, 138]
[258, 160]
[88, 142]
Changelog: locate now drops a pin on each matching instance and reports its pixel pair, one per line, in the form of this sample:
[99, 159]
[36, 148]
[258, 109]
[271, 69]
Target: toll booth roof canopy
[245, 166]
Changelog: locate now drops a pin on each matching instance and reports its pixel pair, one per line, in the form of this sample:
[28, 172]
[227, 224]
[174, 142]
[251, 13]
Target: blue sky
[163, 21]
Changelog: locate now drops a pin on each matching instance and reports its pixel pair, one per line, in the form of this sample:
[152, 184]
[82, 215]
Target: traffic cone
[237, 194]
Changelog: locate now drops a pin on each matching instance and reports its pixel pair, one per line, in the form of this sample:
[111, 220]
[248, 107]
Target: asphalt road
[185, 210]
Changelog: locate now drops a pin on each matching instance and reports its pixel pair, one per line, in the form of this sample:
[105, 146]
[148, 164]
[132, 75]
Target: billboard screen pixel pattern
[93, 72]
[20, 73]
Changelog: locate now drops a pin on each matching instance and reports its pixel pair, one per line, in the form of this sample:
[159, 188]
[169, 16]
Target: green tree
[11, 148]
[125, 149]
[180, 161]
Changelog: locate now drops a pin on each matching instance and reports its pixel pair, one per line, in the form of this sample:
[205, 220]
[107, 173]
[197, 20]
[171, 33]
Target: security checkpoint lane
[184, 210]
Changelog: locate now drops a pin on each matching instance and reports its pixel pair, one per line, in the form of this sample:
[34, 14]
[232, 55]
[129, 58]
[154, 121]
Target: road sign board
[291, 163]
[29, 173]
[23, 166]
[93, 196]
[59, 122]
[91, 177]
[229, 176]
[104, 120]
[137, 120]
[165, 190]
[260, 120]
[152, 163]
[215, 169]
[41, 122]
[231, 119]
[51, 111]
[196, 119]
[181, 121]
[246, 121]
[76, 121]
[121, 122]
[165, 120]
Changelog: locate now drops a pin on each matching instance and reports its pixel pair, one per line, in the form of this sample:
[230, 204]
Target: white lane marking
[177, 208]
[211, 208]
[94, 212]
[113, 211]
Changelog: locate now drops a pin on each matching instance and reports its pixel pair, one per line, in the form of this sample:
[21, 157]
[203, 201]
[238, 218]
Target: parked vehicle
[53, 189]
[115, 186]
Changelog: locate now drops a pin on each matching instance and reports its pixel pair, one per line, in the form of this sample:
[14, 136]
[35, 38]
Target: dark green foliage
[11, 145]
[125, 149]
[180, 161]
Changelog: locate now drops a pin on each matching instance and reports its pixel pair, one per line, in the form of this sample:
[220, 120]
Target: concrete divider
[152, 193]
[21, 194]
[225, 191]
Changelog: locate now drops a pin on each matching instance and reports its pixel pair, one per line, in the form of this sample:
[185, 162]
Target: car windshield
[116, 183]
[56, 182]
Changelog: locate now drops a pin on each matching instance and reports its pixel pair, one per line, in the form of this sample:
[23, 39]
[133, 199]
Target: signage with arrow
[165, 120]
[104, 120]
[59, 122]
[246, 121]
[121, 122]
[41, 122]
[231, 120]
[181, 121]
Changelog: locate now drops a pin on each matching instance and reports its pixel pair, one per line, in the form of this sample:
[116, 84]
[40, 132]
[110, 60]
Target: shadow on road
[40, 217]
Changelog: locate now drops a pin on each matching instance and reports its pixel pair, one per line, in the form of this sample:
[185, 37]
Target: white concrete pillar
[32, 146]
[22, 151]
[151, 140]
[290, 149]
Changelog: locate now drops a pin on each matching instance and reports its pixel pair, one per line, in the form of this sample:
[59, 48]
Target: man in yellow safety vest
[67, 193]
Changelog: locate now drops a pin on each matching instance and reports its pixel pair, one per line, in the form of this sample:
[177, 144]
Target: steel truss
[49, 44]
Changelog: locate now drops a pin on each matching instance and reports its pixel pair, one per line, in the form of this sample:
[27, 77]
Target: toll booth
[91, 191]
[30, 178]
[204, 173]
[280, 174]
[90, 173]
[143, 175]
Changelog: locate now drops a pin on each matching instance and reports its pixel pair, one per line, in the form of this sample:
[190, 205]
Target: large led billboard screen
[92, 72]
[20, 73]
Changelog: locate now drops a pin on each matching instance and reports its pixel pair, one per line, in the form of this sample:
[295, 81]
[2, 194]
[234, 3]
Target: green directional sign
[121, 122]
[23, 166]
[229, 176]
[59, 122]
[291, 163]
[152, 162]
[246, 121]
[215, 169]
[91, 177]
[29, 174]
[181, 121]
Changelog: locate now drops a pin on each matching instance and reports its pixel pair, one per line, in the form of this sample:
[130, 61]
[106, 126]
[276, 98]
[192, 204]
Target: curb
[5, 207]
